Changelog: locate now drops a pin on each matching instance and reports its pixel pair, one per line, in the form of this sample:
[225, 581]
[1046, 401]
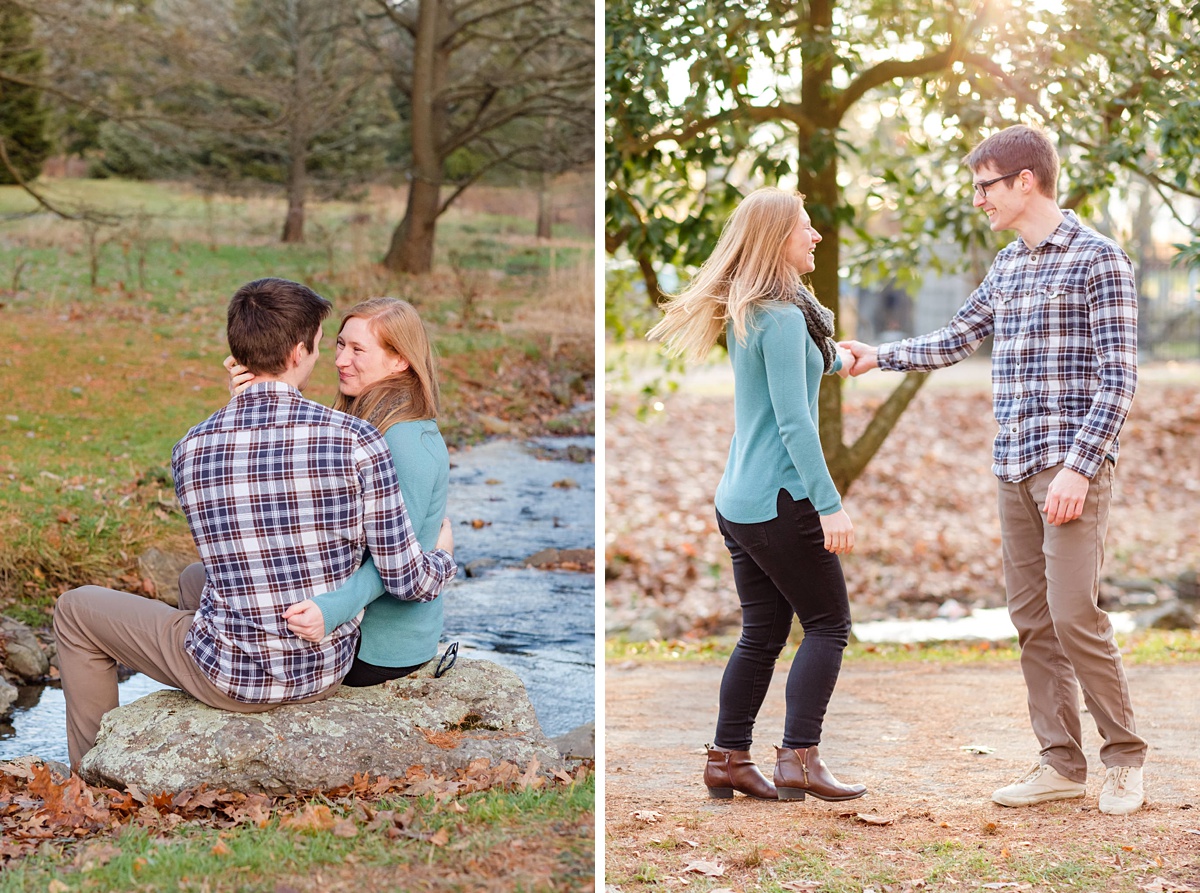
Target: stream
[508, 500]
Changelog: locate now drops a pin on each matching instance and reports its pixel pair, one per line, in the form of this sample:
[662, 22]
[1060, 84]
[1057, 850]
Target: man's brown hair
[268, 318]
[1019, 148]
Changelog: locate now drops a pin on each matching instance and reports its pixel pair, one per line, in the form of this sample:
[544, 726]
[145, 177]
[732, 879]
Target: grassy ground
[1149, 646]
[531, 839]
[114, 339]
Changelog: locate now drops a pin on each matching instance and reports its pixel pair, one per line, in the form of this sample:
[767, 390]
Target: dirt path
[901, 730]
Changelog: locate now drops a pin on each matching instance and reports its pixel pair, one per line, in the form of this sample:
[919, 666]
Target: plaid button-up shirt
[1064, 359]
[282, 496]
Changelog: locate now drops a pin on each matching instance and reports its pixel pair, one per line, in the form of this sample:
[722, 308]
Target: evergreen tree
[22, 116]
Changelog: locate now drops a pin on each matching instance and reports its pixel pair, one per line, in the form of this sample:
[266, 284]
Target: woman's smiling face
[361, 359]
[801, 244]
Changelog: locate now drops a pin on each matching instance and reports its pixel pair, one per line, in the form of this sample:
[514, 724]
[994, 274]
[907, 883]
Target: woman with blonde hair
[777, 506]
[387, 376]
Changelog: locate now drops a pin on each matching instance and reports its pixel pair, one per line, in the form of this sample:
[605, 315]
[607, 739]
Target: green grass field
[114, 336]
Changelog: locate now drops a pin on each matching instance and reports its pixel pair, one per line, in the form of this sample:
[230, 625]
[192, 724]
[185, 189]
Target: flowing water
[508, 500]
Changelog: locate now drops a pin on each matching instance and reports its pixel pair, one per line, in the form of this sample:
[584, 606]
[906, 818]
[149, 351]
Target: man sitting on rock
[282, 496]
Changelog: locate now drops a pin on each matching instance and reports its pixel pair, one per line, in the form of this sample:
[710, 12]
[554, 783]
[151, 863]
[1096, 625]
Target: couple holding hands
[304, 516]
[1061, 304]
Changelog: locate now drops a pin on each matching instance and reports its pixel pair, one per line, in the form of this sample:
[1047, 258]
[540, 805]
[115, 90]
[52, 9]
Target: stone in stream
[168, 741]
[22, 657]
[8, 697]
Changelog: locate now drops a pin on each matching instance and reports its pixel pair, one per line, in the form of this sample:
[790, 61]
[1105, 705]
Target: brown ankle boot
[802, 771]
[733, 770]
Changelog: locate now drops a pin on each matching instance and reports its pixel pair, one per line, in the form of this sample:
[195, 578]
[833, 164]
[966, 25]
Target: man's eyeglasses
[981, 188]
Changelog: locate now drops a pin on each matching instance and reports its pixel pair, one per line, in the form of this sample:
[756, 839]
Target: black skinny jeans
[781, 569]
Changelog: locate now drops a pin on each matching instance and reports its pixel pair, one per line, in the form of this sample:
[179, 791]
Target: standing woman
[777, 505]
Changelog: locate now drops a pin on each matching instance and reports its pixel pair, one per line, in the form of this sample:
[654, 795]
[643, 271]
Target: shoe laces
[1117, 778]
[1032, 774]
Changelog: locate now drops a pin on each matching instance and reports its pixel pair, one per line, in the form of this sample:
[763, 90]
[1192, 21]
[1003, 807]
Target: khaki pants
[98, 628]
[1053, 579]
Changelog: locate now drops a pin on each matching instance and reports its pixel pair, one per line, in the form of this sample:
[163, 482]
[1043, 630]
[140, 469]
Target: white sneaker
[1122, 792]
[1040, 784]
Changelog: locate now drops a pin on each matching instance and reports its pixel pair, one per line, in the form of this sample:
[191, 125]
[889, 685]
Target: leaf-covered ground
[103, 839]
[924, 509]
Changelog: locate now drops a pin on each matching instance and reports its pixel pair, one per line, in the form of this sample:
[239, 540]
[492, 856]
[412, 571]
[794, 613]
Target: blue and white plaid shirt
[1064, 359]
[282, 496]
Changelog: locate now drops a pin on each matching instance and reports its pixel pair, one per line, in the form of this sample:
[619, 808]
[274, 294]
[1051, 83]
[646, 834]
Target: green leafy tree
[868, 107]
[22, 114]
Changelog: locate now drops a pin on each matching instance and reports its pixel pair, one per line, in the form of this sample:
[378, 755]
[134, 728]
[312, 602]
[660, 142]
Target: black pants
[781, 569]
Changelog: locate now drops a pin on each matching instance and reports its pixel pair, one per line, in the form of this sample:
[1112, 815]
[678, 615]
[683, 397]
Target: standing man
[282, 496]
[1062, 305]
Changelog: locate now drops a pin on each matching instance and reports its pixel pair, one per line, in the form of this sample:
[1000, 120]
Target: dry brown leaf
[871, 818]
[313, 818]
[441, 837]
[708, 869]
[647, 815]
[345, 828]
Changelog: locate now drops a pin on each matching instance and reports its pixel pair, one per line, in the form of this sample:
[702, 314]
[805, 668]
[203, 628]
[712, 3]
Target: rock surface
[1174, 614]
[168, 741]
[579, 743]
[8, 697]
[163, 569]
[21, 655]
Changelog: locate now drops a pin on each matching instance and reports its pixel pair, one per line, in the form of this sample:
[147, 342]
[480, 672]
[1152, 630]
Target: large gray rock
[20, 652]
[163, 569]
[8, 697]
[168, 741]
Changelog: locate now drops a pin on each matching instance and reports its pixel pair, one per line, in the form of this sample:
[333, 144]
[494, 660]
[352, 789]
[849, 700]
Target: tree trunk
[297, 187]
[545, 210]
[818, 181]
[411, 250]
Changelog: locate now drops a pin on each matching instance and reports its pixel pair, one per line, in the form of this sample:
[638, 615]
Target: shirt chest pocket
[1059, 311]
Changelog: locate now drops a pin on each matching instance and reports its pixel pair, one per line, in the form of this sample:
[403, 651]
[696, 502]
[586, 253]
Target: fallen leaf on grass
[1000, 885]
[800, 886]
[57, 886]
[345, 828]
[441, 837]
[311, 819]
[708, 869]
[647, 815]
[977, 748]
[220, 849]
[870, 818]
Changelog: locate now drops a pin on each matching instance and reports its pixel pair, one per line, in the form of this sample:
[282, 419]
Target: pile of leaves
[39, 808]
[924, 510]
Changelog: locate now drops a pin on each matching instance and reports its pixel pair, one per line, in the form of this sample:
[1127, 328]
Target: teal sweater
[397, 633]
[776, 445]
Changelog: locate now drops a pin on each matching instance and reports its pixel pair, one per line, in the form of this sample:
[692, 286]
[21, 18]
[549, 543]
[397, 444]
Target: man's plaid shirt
[282, 496]
[1064, 359]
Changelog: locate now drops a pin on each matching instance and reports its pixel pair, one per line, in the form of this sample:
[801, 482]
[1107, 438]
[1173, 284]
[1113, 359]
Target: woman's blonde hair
[406, 396]
[748, 265]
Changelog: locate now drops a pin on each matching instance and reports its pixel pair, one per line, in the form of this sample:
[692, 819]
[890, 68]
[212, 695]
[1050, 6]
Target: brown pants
[98, 628]
[1053, 579]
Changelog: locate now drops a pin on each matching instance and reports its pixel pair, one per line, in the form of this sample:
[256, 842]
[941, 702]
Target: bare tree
[269, 89]
[467, 75]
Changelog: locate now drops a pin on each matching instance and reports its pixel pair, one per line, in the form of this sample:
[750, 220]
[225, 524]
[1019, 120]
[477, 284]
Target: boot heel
[720, 793]
[789, 793]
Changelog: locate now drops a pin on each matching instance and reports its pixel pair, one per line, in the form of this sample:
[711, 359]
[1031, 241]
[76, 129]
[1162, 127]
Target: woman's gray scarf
[820, 323]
